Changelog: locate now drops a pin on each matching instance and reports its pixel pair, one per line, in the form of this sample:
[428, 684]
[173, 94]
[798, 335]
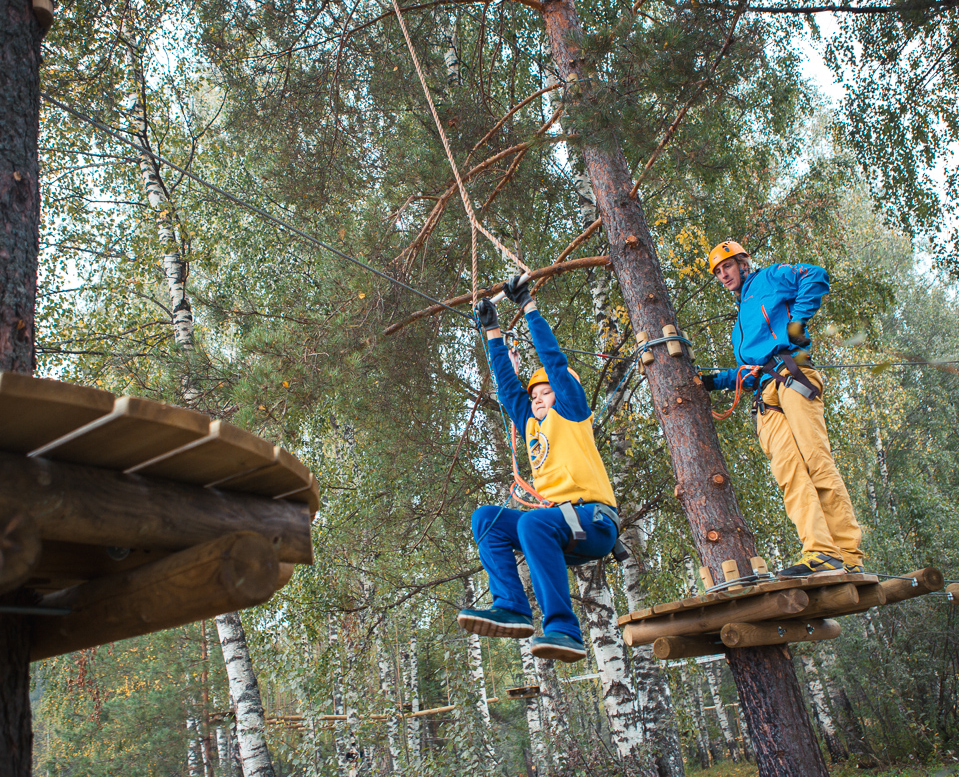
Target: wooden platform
[135, 515]
[767, 613]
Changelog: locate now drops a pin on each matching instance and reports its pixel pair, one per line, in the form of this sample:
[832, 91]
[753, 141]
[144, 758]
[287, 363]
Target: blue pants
[541, 535]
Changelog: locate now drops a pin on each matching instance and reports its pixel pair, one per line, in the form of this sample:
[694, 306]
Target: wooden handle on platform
[673, 347]
[758, 565]
[707, 577]
[731, 572]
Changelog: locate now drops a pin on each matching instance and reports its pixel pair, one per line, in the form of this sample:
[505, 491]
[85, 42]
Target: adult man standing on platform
[775, 305]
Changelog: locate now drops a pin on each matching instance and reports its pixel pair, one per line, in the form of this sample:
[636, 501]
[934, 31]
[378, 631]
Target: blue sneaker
[496, 623]
[557, 646]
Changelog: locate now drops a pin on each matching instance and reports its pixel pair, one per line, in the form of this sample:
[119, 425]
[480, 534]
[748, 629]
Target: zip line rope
[464, 195]
[244, 204]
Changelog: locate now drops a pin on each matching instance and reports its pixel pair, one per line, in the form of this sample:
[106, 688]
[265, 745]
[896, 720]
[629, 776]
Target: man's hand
[797, 333]
[486, 313]
[518, 292]
[709, 381]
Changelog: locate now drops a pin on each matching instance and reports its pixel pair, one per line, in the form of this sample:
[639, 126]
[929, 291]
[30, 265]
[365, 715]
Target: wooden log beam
[706, 620]
[953, 588]
[19, 550]
[227, 574]
[830, 599]
[872, 595]
[926, 580]
[741, 635]
[73, 503]
[687, 647]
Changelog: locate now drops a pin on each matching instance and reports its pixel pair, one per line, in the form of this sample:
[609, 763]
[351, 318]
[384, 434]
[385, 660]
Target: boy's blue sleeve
[805, 285]
[511, 393]
[571, 402]
[726, 379]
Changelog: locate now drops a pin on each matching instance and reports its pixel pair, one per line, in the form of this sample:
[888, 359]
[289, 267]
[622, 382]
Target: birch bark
[410, 663]
[175, 268]
[712, 682]
[821, 712]
[392, 703]
[245, 697]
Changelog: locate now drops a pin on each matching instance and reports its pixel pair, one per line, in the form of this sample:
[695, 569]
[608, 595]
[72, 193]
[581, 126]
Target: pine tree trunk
[245, 696]
[19, 246]
[820, 709]
[767, 683]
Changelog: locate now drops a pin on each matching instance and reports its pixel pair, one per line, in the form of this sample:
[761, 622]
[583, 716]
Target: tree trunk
[410, 664]
[820, 708]
[609, 649]
[19, 245]
[767, 683]
[245, 696]
[390, 692]
[712, 680]
[474, 652]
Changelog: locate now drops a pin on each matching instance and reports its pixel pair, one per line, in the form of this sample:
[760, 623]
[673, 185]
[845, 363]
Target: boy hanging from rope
[580, 524]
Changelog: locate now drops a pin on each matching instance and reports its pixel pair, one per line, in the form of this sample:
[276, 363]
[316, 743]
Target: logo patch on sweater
[538, 450]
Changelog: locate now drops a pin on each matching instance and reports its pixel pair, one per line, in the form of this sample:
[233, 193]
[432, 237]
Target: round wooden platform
[128, 515]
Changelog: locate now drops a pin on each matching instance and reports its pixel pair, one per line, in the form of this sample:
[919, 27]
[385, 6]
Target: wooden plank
[926, 580]
[953, 588]
[741, 635]
[227, 451]
[691, 646]
[706, 620]
[34, 411]
[93, 506]
[309, 496]
[230, 573]
[20, 549]
[136, 431]
[285, 476]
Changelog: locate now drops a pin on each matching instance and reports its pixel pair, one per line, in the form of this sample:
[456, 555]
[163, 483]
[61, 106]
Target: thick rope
[464, 195]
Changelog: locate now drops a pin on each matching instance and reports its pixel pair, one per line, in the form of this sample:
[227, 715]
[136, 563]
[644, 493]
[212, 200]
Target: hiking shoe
[813, 564]
[853, 569]
[496, 623]
[557, 646]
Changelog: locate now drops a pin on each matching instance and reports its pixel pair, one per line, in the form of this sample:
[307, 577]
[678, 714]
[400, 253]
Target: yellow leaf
[342, 232]
[262, 407]
[362, 295]
[286, 384]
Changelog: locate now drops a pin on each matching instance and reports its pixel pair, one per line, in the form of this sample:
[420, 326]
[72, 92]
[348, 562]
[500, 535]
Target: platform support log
[953, 588]
[19, 551]
[741, 635]
[927, 580]
[830, 599]
[236, 571]
[73, 503]
[687, 647]
[770, 606]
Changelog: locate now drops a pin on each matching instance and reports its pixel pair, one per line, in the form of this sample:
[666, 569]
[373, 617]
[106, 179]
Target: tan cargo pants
[814, 493]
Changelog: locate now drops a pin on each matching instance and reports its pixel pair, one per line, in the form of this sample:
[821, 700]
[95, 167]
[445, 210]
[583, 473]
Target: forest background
[313, 113]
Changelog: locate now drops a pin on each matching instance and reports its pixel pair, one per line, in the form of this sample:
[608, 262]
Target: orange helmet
[725, 250]
[540, 377]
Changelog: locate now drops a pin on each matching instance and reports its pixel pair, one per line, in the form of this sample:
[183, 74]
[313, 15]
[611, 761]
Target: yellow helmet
[540, 377]
[725, 250]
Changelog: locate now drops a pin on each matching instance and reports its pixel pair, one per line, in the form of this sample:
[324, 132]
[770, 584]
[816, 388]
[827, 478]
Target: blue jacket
[769, 299]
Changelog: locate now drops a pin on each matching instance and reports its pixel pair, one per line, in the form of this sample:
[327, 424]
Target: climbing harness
[600, 511]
